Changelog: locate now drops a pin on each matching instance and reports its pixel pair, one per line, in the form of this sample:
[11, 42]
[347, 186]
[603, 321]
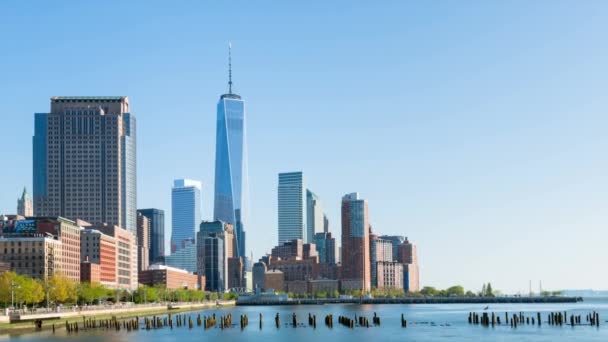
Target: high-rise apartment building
[185, 212]
[231, 174]
[24, 205]
[215, 246]
[314, 215]
[84, 161]
[143, 242]
[396, 241]
[326, 247]
[156, 217]
[355, 243]
[408, 256]
[380, 251]
[292, 207]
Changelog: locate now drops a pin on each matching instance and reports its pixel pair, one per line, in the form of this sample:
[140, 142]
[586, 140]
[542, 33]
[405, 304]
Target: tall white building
[292, 207]
[185, 212]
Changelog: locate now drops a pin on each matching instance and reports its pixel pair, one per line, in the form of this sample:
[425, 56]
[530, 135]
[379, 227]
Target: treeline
[58, 289]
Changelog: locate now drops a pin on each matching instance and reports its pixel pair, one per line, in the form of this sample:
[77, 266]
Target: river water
[425, 323]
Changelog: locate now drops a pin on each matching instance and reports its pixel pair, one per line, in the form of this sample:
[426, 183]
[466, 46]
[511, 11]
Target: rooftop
[87, 98]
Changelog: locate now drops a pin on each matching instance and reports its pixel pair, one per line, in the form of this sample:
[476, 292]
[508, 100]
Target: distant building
[99, 248]
[356, 272]
[126, 255]
[309, 250]
[68, 232]
[314, 216]
[143, 242]
[292, 207]
[326, 247]
[185, 212]
[236, 273]
[325, 224]
[407, 253]
[169, 277]
[396, 241]
[90, 272]
[24, 205]
[184, 258]
[389, 275]
[84, 162]
[273, 279]
[329, 286]
[380, 251]
[411, 278]
[292, 249]
[259, 271]
[157, 233]
[215, 246]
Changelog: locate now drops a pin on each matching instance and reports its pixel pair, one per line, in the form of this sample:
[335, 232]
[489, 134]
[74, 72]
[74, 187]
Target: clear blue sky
[476, 128]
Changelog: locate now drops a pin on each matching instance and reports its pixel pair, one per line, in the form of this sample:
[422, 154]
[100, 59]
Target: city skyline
[483, 158]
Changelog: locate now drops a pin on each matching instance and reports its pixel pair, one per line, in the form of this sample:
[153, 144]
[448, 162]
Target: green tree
[429, 291]
[489, 292]
[336, 294]
[62, 289]
[456, 290]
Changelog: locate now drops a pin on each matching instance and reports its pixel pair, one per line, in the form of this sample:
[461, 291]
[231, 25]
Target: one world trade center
[231, 179]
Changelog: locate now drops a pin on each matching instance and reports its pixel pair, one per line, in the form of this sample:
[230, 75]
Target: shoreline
[27, 327]
[412, 300]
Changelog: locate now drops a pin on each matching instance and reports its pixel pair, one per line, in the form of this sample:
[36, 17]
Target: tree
[429, 291]
[456, 290]
[489, 292]
[6, 280]
[62, 289]
[483, 290]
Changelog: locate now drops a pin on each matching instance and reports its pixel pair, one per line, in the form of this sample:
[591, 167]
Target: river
[428, 322]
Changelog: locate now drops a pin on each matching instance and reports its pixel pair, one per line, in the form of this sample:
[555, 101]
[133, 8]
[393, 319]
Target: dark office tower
[214, 245]
[157, 233]
[356, 273]
[84, 161]
[231, 176]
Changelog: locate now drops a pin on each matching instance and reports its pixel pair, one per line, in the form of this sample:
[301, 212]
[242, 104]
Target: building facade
[99, 248]
[356, 273]
[68, 232]
[156, 217]
[25, 206]
[292, 207]
[84, 158]
[326, 248]
[35, 255]
[396, 240]
[169, 277]
[185, 211]
[293, 249]
[380, 251]
[126, 255]
[259, 270]
[215, 245]
[389, 275]
[143, 242]
[184, 258]
[314, 215]
[231, 173]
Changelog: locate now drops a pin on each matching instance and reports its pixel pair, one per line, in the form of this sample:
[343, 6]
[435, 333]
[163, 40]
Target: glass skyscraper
[292, 207]
[157, 233]
[185, 213]
[231, 178]
[314, 213]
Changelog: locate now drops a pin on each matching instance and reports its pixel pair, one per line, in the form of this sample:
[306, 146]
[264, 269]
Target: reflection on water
[425, 322]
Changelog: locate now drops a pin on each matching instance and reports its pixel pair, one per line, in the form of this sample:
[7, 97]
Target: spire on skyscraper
[229, 68]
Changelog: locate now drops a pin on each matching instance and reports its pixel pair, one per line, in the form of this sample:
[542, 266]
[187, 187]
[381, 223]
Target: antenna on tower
[229, 68]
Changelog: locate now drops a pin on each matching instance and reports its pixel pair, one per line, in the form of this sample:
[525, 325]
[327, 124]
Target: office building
[326, 248]
[143, 242]
[356, 274]
[24, 205]
[236, 274]
[185, 211]
[325, 224]
[169, 277]
[90, 272]
[231, 174]
[314, 216]
[156, 218]
[84, 163]
[380, 251]
[389, 275]
[292, 207]
[274, 280]
[99, 248]
[293, 249]
[396, 240]
[259, 270]
[407, 253]
[184, 258]
[411, 278]
[126, 255]
[215, 246]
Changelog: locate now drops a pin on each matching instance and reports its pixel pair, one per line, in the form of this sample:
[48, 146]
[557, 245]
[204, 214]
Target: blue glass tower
[231, 179]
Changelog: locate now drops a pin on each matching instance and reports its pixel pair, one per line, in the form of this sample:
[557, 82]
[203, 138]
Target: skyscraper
[157, 233]
[185, 212]
[84, 161]
[292, 207]
[143, 242]
[231, 176]
[215, 245]
[314, 215]
[24, 205]
[326, 247]
[380, 251]
[355, 243]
